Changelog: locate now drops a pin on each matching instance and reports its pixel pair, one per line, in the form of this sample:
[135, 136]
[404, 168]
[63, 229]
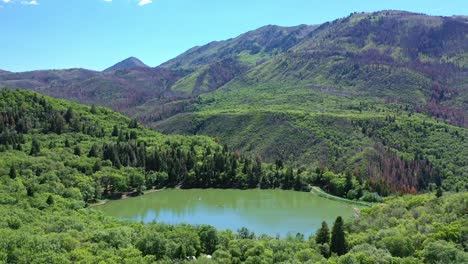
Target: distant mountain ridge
[127, 64]
[251, 47]
[427, 55]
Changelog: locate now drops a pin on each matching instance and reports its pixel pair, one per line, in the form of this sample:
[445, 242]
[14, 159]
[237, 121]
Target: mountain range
[127, 64]
[366, 94]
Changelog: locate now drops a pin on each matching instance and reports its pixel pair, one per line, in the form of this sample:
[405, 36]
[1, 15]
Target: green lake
[272, 212]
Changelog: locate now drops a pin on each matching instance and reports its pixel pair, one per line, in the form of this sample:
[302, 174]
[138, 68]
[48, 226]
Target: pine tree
[133, 135]
[69, 115]
[115, 131]
[67, 143]
[13, 173]
[439, 192]
[77, 151]
[338, 240]
[297, 182]
[181, 252]
[29, 191]
[133, 124]
[94, 151]
[93, 109]
[57, 124]
[35, 147]
[19, 147]
[349, 182]
[288, 179]
[50, 200]
[323, 234]
[97, 166]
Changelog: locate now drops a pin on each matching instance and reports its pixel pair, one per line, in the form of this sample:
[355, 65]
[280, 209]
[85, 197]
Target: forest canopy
[57, 157]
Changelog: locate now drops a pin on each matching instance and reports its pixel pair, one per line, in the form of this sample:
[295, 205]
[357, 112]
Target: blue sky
[94, 34]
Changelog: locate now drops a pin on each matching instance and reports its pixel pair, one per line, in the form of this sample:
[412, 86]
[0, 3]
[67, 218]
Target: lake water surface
[272, 212]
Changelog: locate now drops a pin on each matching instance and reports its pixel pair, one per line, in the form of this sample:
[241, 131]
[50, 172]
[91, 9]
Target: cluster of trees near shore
[56, 156]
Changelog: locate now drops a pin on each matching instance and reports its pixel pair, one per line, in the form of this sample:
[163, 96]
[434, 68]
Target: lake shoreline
[124, 196]
[314, 190]
[318, 191]
[271, 211]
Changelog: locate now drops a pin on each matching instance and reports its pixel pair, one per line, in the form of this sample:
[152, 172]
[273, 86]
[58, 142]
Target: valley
[343, 142]
[341, 96]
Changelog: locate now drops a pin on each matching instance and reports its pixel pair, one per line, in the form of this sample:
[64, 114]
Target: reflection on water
[269, 212]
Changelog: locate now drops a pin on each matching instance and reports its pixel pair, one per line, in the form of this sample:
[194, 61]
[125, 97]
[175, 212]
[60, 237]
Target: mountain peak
[129, 63]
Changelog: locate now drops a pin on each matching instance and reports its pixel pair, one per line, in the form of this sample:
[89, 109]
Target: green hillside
[100, 153]
[302, 126]
[360, 95]
[57, 156]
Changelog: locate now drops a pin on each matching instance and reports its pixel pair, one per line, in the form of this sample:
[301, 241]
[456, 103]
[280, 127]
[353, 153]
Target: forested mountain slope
[102, 153]
[56, 156]
[355, 94]
[375, 95]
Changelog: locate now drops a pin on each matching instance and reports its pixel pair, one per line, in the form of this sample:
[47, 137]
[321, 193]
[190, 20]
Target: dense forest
[103, 154]
[61, 231]
[58, 156]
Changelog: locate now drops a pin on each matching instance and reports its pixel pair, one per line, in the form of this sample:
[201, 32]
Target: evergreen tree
[279, 164]
[133, 135]
[13, 173]
[57, 124]
[323, 234]
[94, 151]
[288, 179]
[30, 191]
[338, 240]
[115, 131]
[181, 252]
[19, 147]
[67, 143]
[348, 183]
[93, 109]
[439, 192]
[77, 151]
[133, 124]
[35, 147]
[76, 125]
[297, 182]
[97, 166]
[110, 153]
[50, 200]
[324, 250]
[69, 115]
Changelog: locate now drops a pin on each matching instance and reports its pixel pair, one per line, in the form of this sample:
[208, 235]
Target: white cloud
[108, 1]
[32, 2]
[144, 2]
[22, 2]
